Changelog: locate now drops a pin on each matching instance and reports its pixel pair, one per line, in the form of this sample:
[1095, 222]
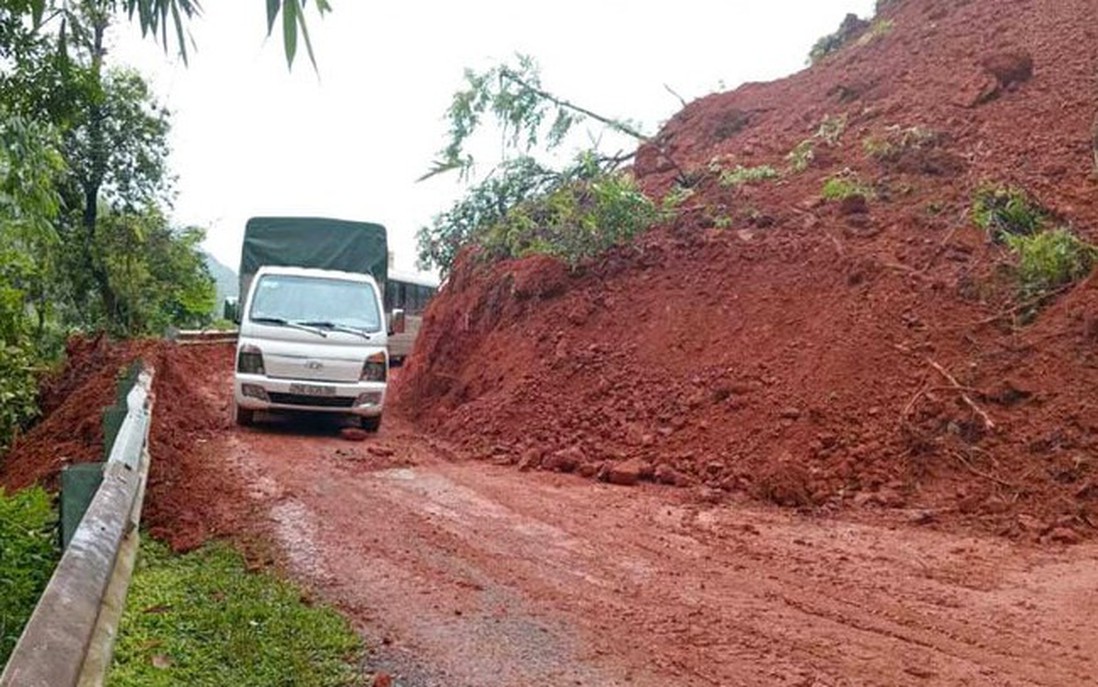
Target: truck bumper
[257, 392]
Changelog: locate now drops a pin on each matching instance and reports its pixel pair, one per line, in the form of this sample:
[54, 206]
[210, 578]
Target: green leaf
[305, 35]
[272, 13]
[289, 29]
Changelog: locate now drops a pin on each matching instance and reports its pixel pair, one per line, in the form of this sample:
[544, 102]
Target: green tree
[157, 273]
[117, 152]
[29, 166]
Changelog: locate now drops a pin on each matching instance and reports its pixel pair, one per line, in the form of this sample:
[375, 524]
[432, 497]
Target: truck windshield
[338, 303]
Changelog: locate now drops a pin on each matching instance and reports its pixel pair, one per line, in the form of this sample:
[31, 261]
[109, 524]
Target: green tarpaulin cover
[319, 242]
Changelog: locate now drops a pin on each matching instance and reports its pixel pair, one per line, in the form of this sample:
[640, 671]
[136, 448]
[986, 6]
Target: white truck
[313, 330]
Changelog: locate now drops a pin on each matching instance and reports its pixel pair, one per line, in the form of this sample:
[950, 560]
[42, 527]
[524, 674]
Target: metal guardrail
[69, 639]
[205, 336]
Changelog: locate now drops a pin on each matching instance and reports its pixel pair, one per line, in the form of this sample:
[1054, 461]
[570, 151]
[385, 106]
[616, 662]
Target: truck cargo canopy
[317, 242]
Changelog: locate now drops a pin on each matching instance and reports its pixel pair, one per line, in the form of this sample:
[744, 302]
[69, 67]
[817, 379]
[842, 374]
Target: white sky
[251, 138]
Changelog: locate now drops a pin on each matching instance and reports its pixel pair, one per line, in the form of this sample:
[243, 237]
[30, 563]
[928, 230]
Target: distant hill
[225, 278]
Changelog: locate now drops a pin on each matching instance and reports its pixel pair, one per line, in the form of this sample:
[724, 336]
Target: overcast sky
[251, 138]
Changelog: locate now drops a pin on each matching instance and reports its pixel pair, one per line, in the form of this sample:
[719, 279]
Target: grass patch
[845, 185]
[747, 175]
[28, 555]
[203, 619]
[1004, 211]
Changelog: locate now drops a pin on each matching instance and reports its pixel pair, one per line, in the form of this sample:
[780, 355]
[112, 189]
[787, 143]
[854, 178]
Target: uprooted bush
[578, 219]
[845, 185]
[894, 141]
[1047, 258]
[1004, 211]
[1050, 259]
[747, 175]
[529, 209]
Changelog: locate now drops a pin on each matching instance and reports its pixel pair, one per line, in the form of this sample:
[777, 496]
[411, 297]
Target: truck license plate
[312, 390]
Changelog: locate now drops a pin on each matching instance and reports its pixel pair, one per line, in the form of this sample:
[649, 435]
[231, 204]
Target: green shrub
[1049, 259]
[28, 554]
[747, 175]
[203, 619]
[575, 221]
[831, 43]
[18, 392]
[1005, 211]
[845, 185]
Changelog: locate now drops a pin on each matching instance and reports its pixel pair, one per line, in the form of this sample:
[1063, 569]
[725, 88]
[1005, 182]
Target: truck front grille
[314, 401]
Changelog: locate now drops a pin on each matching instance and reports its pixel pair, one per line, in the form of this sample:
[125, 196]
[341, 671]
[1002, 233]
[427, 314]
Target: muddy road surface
[470, 574]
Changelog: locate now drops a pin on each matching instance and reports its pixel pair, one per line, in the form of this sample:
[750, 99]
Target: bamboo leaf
[289, 29]
[272, 14]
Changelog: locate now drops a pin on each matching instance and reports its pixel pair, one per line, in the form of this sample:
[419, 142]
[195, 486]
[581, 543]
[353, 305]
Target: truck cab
[313, 340]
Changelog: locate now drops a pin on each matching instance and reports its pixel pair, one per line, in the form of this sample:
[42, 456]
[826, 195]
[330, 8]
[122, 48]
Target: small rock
[383, 680]
[790, 413]
[626, 473]
[665, 474]
[565, 460]
[354, 434]
[1064, 535]
[531, 458]
[924, 517]
[1009, 68]
[588, 470]
[1030, 523]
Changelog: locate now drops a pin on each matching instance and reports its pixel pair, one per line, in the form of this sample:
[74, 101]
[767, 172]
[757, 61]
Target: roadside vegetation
[203, 618]
[28, 554]
[85, 240]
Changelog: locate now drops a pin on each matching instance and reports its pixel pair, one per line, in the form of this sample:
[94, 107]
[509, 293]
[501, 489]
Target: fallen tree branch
[988, 424]
[980, 473]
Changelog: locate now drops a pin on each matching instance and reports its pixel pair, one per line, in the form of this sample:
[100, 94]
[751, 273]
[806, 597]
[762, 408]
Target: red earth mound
[818, 354]
[188, 410]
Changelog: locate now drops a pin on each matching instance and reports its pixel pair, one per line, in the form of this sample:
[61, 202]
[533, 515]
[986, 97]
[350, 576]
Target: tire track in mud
[470, 574]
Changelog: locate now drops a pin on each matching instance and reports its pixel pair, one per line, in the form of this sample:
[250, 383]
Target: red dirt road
[467, 573]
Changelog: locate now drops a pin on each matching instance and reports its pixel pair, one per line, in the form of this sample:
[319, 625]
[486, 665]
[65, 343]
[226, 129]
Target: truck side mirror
[396, 322]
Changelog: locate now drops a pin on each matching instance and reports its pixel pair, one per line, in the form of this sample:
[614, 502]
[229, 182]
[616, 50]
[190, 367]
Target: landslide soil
[819, 355]
[466, 573]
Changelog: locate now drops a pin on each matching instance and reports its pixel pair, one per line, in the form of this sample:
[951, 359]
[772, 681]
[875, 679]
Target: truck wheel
[370, 424]
[243, 416]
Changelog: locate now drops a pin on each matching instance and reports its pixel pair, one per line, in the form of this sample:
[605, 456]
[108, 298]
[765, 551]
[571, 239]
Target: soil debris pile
[840, 333]
[189, 498]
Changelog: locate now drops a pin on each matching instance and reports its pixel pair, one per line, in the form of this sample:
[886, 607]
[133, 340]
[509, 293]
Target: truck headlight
[375, 368]
[250, 360]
